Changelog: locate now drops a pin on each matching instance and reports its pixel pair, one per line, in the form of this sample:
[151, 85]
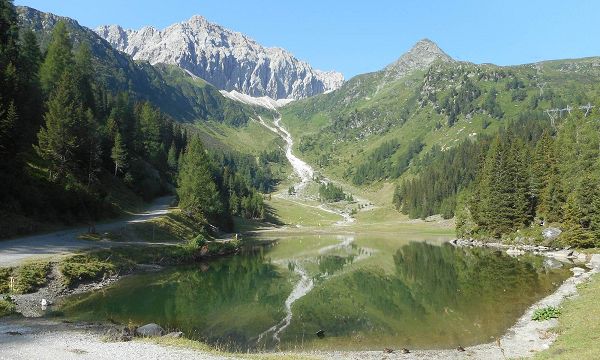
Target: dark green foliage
[378, 164]
[547, 313]
[460, 100]
[491, 105]
[444, 174]
[196, 187]
[330, 193]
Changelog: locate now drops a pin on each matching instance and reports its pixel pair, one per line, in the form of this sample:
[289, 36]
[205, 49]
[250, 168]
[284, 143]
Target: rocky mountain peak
[424, 53]
[229, 60]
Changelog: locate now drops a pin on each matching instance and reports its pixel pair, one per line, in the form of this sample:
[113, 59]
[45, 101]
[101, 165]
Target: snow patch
[263, 101]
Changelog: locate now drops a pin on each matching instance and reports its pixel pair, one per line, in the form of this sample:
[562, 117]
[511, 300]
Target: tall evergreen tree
[58, 140]
[196, 188]
[118, 154]
[59, 58]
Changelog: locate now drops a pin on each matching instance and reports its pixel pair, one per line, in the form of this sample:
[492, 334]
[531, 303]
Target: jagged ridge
[228, 60]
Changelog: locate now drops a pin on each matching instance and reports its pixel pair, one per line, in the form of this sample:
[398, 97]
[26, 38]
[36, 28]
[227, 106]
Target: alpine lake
[346, 291]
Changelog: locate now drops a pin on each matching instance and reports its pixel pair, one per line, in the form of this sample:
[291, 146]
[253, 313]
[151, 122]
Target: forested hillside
[436, 131]
[86, 133]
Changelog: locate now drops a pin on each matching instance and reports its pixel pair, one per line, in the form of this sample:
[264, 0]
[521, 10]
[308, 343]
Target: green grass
[204, 348]
[579, 329]
[30, 277]
[292, 212]
[81, 268]
[5, 274]
[249, 139]
[6, 307]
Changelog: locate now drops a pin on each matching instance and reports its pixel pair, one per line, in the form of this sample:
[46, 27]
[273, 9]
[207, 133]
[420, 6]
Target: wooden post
[12, 284]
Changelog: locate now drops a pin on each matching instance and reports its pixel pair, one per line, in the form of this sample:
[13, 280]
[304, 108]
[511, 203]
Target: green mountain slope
[176, 93]
[441, 103]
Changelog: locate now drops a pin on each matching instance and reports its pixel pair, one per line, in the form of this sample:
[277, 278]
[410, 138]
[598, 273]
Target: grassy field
[579, 328]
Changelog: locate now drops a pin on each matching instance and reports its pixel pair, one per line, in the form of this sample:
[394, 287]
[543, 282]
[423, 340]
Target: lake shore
[21, 337]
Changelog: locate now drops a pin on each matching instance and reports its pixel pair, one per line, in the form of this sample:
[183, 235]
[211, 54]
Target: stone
[550, 263]
[577, 271]
[594, 262]
[551, 233]
[116, 334]
[150, 330]
[174, 334]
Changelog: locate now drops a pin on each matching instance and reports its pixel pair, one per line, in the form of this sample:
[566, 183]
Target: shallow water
[364, 291]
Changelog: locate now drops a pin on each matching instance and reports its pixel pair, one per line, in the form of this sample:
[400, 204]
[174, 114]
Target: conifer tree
[118, 154]
[59, 58]
[197, 191]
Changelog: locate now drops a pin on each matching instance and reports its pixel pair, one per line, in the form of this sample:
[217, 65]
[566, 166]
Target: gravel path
[47, 339]
[15, 251]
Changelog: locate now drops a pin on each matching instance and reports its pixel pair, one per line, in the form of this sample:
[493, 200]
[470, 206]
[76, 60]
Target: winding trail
[15, 251]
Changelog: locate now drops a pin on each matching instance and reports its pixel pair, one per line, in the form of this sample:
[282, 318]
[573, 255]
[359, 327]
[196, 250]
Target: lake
[365, 291]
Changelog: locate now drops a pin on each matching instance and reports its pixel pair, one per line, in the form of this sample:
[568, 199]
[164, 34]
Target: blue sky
[362, 36]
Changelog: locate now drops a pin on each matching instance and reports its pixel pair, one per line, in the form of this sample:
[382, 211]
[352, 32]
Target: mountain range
[229, 60]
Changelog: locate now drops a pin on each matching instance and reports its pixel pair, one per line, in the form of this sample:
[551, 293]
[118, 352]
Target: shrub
[547, 313]
[7, 306]
[85, 268]
[31, 277]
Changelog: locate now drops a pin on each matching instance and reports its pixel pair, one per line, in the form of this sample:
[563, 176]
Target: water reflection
[224, 302]
[431, 296]
[437, 296]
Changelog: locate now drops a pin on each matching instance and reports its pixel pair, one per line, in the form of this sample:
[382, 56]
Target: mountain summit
[227, 59]
[424, 53]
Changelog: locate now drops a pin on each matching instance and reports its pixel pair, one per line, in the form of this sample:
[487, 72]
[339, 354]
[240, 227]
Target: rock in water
[150, 330]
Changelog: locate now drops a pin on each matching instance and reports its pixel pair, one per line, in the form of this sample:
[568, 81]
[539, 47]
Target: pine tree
[197, 191]
[30, 102]
[8, 123]
[118, 154]
[58, 140]
[59, 58]
[172, 158]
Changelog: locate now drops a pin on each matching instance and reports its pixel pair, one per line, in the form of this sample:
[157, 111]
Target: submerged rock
[150, 330]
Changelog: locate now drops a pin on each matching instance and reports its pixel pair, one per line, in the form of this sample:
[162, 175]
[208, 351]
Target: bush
[5, 274]
[198, 242]
[547, 313]
[85, 268]
[31, 277]
[7, 306]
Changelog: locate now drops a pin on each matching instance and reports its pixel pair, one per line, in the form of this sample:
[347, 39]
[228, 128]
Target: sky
[355, 37]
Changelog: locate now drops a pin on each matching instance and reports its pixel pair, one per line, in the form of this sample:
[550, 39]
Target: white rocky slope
[228, 60]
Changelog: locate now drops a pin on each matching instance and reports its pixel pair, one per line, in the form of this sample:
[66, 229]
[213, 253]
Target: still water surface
[364, 291]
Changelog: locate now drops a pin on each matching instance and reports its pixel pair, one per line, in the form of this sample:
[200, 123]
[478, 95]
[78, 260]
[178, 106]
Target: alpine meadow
[187, 192]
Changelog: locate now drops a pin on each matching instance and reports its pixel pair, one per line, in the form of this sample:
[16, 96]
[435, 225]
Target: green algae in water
[430, 297]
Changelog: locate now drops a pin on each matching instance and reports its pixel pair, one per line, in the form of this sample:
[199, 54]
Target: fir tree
[58, 140]
[59, 58]
[118, 154]
[197, 191]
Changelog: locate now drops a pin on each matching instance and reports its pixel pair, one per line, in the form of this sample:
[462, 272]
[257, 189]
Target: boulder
[577, 271]
[150, 330]
[550, 263]
[115, 334]
[594, 261]
[551, 233]
[174, 334]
